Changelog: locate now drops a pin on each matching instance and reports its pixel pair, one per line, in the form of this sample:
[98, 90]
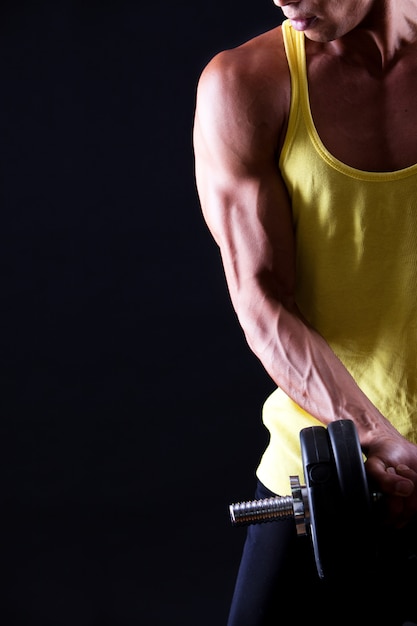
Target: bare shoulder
[248, 86]
[260, 58]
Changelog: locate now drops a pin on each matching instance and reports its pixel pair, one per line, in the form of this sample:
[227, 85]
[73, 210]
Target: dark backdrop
[130, 403]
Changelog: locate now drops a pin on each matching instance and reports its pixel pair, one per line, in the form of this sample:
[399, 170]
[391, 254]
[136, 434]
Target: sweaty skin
[360, 52]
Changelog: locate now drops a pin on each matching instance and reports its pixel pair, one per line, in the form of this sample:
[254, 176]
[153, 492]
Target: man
[306, 151]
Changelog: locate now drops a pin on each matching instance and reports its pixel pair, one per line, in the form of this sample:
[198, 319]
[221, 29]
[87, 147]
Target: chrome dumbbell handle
[275, 508]
[258, 511]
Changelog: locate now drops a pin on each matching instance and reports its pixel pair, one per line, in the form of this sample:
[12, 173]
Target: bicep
[243, 197]
[246, 206]
[256, 240]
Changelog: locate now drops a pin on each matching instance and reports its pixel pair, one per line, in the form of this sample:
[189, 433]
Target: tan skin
[361, 56]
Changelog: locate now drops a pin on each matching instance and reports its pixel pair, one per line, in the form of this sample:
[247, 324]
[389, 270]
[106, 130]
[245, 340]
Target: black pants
[277, 582]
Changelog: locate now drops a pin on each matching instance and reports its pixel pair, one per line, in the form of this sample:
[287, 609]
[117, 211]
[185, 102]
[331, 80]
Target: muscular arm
[238, 126]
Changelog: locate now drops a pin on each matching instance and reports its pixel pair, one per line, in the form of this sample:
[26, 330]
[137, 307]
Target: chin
[322, 35]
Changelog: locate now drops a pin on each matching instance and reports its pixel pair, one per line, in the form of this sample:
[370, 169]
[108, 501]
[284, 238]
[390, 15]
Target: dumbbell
[334, 507]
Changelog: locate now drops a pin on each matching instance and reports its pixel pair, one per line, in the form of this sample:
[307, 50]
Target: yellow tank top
[356, 235]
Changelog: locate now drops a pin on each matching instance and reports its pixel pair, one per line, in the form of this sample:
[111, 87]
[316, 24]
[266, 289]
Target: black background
[130, 403]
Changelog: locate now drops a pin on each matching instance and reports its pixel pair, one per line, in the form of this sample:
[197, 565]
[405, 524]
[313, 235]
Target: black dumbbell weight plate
[350, 467]
[355, 538]
[324, 497]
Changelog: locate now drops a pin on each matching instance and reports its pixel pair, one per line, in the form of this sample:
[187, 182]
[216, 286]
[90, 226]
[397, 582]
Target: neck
[389, 28]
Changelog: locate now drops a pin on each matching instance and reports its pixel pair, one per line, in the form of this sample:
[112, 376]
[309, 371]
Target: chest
[366, 121]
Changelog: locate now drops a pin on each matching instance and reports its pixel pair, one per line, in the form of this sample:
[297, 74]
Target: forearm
[301, 362]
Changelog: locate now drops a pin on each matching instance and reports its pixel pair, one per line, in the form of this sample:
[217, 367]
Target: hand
[391, 466]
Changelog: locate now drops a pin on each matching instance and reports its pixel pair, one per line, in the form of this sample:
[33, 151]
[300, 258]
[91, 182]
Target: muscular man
[306, 166]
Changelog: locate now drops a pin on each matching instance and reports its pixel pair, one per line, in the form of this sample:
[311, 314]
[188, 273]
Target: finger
[388, 480]
[406, 472]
